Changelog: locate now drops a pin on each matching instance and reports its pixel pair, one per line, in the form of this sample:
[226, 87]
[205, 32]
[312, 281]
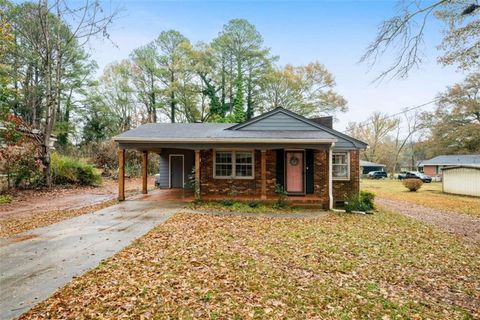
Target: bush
[362, 201]
[67, 170]
[282, 197]
[412, 184]
[5, 199]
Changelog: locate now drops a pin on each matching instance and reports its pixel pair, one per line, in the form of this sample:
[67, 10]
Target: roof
[364, 163]
[452, 160]
[477, 167]
[239, 133]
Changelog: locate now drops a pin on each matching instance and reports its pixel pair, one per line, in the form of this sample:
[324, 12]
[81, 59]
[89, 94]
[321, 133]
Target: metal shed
[464, 180]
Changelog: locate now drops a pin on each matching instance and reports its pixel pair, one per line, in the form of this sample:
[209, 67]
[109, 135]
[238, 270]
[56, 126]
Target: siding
[464, 181]
[279, 121]
[189, 164]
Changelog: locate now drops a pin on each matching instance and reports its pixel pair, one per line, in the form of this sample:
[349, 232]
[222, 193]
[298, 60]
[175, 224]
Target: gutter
[221, 140]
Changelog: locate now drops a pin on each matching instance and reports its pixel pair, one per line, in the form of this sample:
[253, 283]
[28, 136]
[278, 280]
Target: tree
[455, 124]
[46, 38]
[405, 32]
[307, 90]
[172, 60]
[375, 131]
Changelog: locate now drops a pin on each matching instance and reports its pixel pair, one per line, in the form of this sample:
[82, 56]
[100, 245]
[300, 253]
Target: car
[416, 175]
[402, 175]
[377, 174]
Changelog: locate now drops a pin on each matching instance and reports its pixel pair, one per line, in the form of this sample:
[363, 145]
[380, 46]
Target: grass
[342, 266]
[429, 195]
[241, 207]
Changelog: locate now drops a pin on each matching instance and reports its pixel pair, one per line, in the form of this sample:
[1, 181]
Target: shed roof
[364, 163]
[452, 160]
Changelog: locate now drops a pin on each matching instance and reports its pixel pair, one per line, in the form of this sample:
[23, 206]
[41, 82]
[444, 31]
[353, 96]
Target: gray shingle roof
[452, 160]
[364, 163]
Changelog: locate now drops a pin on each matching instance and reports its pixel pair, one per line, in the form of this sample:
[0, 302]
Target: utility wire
[361, 125]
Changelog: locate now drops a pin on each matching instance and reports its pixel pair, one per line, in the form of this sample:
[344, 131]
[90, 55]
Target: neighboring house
[464, 180]
[434, 166]
[367, 166]
[310, 160]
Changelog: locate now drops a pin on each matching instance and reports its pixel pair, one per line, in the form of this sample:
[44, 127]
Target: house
[306, 157]
[463, 180]
[367, 166]
[434, 166]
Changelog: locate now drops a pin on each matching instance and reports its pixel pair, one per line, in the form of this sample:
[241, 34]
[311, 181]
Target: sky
[334, 33]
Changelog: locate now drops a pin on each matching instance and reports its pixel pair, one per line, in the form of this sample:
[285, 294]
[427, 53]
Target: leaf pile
[14, 225]
[381, 266]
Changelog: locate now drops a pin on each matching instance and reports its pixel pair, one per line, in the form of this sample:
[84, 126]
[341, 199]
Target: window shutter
[280, 167]
[309, 162]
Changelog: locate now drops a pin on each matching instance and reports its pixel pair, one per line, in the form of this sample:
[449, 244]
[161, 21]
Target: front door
[176, 171]
[294, 171]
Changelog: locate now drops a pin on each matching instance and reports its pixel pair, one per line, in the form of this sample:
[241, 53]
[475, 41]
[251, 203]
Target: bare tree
[405, 134]
[404, 34]
[61, 26]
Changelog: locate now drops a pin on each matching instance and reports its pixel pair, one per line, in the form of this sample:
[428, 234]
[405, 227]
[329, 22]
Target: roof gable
[277, 119]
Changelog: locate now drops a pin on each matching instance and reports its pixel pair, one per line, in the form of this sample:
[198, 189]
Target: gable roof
[301, 130]
[307, 124]
[452, 160]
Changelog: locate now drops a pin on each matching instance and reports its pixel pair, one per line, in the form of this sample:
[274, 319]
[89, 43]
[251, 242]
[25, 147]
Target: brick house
[433, 167]
[246, 161]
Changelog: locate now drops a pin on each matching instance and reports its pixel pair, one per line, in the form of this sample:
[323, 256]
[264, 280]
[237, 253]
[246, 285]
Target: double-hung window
[233, 164]
[340, 166]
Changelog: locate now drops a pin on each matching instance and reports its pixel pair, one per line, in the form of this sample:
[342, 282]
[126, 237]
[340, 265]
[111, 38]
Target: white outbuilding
[464, 180]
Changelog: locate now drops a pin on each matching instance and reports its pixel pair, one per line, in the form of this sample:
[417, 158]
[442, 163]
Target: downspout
[330, 177]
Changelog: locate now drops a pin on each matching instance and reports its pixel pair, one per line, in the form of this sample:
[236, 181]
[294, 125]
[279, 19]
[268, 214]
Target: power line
[360, 125]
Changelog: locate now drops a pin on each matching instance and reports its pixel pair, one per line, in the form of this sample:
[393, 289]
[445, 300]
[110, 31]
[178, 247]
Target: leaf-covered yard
[429, 195]
[340, 266]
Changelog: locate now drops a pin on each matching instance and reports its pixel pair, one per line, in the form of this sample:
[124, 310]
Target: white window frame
[234, 165]
[348, 165]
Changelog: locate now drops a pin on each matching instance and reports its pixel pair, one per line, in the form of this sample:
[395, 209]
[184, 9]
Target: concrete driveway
[36, 263]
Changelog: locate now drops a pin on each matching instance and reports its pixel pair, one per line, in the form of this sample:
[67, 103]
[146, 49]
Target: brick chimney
[326, 121]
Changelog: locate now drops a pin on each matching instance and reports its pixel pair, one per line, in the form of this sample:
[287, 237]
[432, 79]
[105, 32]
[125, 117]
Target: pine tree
[238, 111]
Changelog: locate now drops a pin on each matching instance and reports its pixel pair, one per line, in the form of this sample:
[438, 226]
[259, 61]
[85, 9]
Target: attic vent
[325, 121]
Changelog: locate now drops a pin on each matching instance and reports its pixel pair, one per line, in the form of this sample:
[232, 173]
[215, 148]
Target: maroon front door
[294, 171]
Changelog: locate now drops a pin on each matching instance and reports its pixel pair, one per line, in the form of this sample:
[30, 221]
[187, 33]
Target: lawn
[341, 266]
[429, 195]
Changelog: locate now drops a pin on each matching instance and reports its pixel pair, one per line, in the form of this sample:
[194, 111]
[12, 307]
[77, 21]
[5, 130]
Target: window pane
[243, 157]
[223, 170]
[339, 158]
[243, 170]
[340, 171]
[223, 157]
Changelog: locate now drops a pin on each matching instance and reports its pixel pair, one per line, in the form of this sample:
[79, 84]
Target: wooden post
[144, 171]
[197, 174]
[121, 174]
[264, 174]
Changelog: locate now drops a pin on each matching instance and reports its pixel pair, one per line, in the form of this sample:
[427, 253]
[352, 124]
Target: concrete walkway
[36, 263]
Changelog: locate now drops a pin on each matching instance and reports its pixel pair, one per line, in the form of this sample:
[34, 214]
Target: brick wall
[343, 189]
[252, 187]
[430, 170]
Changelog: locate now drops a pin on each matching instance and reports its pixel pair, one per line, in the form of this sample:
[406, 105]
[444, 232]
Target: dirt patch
[460, 224]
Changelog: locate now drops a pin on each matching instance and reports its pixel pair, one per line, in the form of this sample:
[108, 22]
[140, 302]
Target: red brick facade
[251, 188]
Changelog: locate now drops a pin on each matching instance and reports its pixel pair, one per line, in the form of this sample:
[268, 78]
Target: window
[234, 164]
[340, 166]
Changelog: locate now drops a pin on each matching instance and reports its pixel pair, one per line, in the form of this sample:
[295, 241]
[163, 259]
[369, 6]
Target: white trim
[233, 176]
[170, 169]
[330, 178]
[348, 165]
[223, 140]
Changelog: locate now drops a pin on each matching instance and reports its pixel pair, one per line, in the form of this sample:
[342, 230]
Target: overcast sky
[335, 33]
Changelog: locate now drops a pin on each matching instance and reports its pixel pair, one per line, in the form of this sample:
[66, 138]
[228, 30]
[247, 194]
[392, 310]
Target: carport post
[144, 171]
[197, 174]
[121, 174]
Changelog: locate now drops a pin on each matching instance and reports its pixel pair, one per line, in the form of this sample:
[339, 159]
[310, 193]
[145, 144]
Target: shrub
[5, 199]
[67, 170]
[282, 197]
[227, 203]
[362, 201]
[412, 184]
